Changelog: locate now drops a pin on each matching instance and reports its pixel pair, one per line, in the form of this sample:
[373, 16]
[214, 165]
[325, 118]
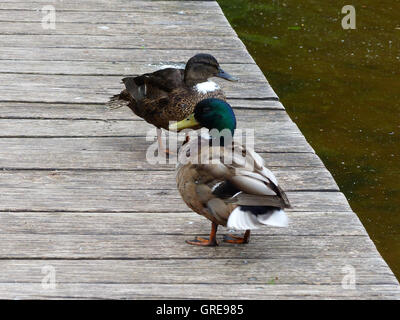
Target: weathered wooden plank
[135, 147]
[256, 271]
[121, 55]
[93, 128]
[42, 92]
[195, 291]
[205, 7]
[291, 179]
[131, 41]
[158, 200]
[111, 29]
[137, 247]
[106, 17]
[173, 223]
[107, 153]
[115, 160]
[98, 89]
[245, 72]
[269, 110]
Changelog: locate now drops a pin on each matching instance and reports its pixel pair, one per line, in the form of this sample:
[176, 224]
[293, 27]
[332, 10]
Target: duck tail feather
[273, 216]
[119, 100]
[251, 217]
[241, 219]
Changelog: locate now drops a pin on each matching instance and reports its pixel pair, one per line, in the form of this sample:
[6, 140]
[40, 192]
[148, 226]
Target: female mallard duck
[171, 94]
[223, 180]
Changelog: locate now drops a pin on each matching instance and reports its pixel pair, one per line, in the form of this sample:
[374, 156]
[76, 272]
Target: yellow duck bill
[189, 122]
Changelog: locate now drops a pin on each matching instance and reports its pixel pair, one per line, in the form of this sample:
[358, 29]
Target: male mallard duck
[223, 180]
[171, 94]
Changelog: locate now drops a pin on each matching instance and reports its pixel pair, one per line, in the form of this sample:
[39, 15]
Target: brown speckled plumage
[176, 106]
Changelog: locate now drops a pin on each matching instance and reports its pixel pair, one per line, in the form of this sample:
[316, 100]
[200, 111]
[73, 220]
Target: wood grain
[130, 41]
[187, 223]
[141, 18]
[75, 156]
[291, 179]
[196, 291]
[280, 271]
[98, 89]
[95, 128]
[143, 55]
[119, 7]
[138, 247]
[111, 29]
[245, 72]
[159, 200]
[245, 110]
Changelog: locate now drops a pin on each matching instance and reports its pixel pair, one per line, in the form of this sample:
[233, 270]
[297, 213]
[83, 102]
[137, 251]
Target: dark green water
[342, 88]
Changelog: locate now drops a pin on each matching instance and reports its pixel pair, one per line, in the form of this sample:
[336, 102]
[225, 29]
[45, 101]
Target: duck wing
[154, 85]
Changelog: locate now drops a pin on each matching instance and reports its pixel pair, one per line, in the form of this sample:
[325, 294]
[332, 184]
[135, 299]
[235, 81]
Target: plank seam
[154, 259]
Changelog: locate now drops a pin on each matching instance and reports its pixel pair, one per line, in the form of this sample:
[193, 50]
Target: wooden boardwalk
[80, 205]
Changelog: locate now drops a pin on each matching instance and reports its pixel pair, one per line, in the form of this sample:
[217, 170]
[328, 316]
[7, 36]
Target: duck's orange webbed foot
[210, 242]
[203, 242]
[230, 238]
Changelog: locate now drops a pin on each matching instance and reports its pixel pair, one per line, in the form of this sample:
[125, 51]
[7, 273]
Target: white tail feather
[245, 220]
[278, 218]
[242, 220]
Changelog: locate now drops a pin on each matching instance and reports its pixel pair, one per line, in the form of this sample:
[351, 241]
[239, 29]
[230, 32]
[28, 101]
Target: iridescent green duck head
[211, 114]
[203, 66]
